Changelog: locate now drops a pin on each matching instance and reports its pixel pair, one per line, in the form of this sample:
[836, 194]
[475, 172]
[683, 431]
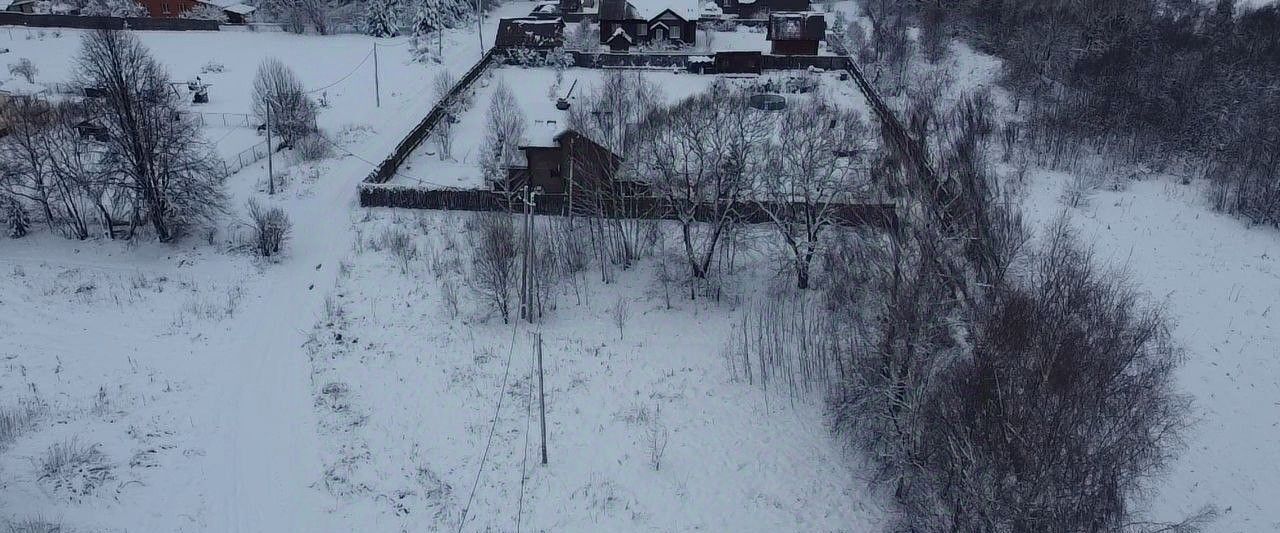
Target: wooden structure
[529, 33]
[236, 11]
[628, 22]
[760, 9]
[570, 163]
[793, 33]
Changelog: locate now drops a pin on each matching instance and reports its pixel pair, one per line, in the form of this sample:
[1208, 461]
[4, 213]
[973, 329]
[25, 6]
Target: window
[642, 30]
[675, 31]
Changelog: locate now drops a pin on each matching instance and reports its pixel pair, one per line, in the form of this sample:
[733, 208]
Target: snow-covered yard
[537, 89]
[407, 389]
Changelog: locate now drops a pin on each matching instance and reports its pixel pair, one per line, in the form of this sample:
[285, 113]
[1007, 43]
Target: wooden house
[760, 9]
[235, 11]
[624, 23]
[796, 33]
[568, 163]
[529, 33]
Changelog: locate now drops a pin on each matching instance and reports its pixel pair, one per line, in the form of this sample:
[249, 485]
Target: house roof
[619, 32]
[530, 33]
[789, 5]
[797, 26]
[689, 10]
[230, 6]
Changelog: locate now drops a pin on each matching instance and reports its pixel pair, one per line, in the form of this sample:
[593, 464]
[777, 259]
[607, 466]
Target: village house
[236, 11]
[760, 9]
[796, 33]
[529, 33]
[626, 23]
[564, 161]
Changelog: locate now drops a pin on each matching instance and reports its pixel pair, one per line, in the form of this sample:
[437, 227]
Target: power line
[524, 460]
[344, 78]
[502, 392]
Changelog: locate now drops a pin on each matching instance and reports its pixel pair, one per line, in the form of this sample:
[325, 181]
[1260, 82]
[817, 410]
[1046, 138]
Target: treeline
[1151, 81]
[120, 161]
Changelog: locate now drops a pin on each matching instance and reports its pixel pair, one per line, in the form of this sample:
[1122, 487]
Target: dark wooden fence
[684, 60]
[385, 170]
[650, 207]
[106, 23]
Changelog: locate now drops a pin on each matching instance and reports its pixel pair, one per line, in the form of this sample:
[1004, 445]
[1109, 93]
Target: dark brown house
[624, 23]
[529, 33]
[760, 9]
[796, 33]
[570, 164]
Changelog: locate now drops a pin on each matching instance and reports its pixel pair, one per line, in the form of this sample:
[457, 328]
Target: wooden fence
[385, 170]
[649, 207]
[106, 23]
[686, 60]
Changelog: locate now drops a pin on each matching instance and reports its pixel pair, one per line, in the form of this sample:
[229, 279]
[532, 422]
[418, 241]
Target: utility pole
[542, 402]
[524, 258]
[377, 85]
[271, 175]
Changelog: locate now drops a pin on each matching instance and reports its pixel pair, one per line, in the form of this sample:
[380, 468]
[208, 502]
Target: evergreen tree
[382, 18]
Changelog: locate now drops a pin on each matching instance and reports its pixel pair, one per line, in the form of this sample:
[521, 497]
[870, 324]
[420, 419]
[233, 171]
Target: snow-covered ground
[1220, 281]
[183, 364]
[408, 390]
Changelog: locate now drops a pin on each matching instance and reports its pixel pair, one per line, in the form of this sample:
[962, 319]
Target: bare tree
[278, 91]
[504, 133]
[702, 155]
[441, 85]
[493, 259]
[819, 165]
[25, 68]
[26, 177]
[175, 178]
[269, 226]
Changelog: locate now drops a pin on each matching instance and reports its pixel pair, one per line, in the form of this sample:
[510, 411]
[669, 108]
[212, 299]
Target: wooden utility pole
[542, 402]
[271, 175]
[377, 85]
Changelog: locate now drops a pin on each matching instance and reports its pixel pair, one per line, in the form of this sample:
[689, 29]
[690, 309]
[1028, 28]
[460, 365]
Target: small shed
[796, 33]
[741, 62]
[530, 33]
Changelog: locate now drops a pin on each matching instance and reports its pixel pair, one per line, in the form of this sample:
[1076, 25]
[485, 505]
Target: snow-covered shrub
[112, 8]
[16, 420]
[1079, 189]
[399, 243]
[269, 228]
[34, 525]
[656, 435]
[205, 12]
[212, 67]
[75, 469]
[313, 147]
[16, 220]
[24, 68]
[493, 259]
[449, 293]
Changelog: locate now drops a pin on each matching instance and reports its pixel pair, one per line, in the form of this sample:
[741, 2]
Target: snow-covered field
[339, 390]
[1220, 281]
[408, 389]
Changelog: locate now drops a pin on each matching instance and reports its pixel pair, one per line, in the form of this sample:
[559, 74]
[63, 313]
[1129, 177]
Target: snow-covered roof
[619, 32]
[543, 131]
[240, 9]
[648, 9]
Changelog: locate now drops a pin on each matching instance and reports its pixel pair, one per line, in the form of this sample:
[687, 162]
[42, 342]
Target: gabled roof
[619, 33]
[530, 33]
[797, 26]
[646, 10]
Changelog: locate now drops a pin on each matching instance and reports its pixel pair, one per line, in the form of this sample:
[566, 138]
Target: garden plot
[537, 90]
[647, 428]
